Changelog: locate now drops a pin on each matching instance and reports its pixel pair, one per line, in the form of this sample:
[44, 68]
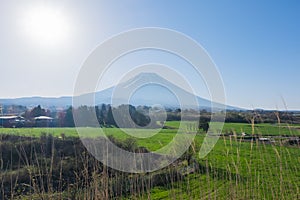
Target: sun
[46, 25]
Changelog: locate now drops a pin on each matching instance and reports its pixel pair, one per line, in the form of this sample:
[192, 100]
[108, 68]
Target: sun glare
[46, 25]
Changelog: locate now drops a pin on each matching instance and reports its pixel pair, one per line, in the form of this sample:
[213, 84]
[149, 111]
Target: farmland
[160, 139]
[237, 128]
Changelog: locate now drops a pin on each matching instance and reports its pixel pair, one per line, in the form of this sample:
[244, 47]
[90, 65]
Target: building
[11, 121]
[43, 121]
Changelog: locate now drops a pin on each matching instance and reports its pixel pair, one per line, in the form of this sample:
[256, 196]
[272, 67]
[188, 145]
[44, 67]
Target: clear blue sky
[255, 44]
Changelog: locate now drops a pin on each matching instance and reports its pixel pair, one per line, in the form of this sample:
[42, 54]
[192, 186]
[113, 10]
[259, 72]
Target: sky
[254, 44]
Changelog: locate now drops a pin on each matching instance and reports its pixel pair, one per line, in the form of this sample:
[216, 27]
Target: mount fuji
[154, 90]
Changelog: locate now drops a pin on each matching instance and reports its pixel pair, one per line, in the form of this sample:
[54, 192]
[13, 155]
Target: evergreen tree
[68, 119]
[37, 111]
[110, 118]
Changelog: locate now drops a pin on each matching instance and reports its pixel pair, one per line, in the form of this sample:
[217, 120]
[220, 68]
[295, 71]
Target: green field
[163, 137]
[238, 128]
[260, 129]
[153, 143]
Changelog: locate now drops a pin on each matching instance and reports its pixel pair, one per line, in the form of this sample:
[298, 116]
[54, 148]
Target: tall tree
[110, 118]
[102, 114]
[68, 119]
[37, 111]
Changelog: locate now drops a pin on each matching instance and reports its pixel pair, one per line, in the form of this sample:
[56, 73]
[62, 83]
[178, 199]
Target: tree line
[138, 116]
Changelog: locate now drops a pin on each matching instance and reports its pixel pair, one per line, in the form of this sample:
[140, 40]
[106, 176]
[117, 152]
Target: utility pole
[1, 114]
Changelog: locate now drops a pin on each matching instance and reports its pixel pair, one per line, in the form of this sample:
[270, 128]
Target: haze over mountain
[148, 89]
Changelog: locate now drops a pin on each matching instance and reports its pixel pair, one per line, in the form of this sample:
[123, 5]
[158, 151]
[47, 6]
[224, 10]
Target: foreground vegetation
[52, 163]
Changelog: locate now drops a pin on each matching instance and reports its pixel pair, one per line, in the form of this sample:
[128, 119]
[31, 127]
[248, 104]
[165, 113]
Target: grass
[153, 143]
[261, 129]
[163, 137]
[241, 170]
[232, 170]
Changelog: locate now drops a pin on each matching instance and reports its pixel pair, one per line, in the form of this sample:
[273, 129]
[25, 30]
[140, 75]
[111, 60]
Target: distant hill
[150, 94]
[43, 101]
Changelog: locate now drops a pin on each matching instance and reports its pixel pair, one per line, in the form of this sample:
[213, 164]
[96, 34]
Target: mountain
[34, 101]
[155, 90]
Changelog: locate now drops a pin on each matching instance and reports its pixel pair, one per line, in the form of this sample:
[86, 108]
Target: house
[43, 118]
[43, 121]
[11, 121]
